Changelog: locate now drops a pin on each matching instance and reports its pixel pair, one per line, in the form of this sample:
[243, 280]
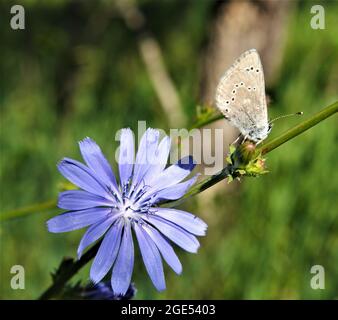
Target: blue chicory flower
[112, 210]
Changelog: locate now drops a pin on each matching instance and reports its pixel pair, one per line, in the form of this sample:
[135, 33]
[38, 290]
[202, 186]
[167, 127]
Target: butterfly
[240, 96]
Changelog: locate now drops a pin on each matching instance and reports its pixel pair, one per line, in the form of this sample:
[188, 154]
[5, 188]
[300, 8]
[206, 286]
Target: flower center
[129, 209]
[131, 206]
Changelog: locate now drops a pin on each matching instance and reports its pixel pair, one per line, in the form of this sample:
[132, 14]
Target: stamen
[114, 194]
[141, 192]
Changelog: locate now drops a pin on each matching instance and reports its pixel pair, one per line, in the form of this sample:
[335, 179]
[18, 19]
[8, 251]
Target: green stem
[210, 181]
[300, 128]
[51, 204]
[264, 149]
[199, 187]
[202, 123]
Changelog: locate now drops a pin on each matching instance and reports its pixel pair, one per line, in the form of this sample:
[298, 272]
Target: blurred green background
[67, 76]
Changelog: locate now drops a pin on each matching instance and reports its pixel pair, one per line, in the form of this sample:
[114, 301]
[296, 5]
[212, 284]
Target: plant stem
[300, 128]
[264, 149]
[208, 182]
[202, 123]
[72, 267]
[27, 210]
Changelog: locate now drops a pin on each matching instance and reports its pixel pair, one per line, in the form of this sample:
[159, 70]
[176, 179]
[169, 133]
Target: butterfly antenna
[286, 115]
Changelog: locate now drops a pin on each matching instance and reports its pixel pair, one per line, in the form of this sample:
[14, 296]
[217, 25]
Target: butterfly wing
[240, 96]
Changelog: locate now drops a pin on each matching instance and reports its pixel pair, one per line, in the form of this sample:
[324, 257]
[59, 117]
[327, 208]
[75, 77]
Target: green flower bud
[256, 167]
[245, 160]
[244, 154]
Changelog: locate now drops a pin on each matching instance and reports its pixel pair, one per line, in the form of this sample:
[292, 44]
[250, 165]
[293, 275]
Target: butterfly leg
[236, 140]
[244, 138]
[258, 142]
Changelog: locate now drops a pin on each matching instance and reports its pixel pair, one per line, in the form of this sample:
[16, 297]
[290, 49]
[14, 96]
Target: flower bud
[244, 154]
[256, 167]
